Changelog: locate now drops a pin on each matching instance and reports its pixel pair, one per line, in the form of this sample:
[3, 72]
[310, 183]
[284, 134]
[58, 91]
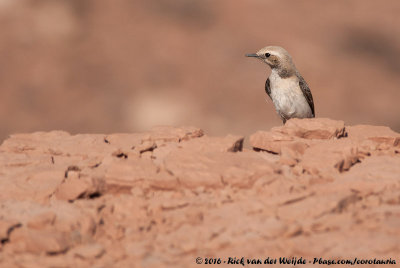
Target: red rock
[229, 143]
[145, 146]
[42, 220]
[39, 241]
[160, 197]
[76, 186]
[313, 128]
[331, 156]
[122, 174]
[373, 174]
[124, 141]
[168, 134]
[377, 134]
[56, 143]
[292, 153]
[217, 169]
[6, 227]
[163, 150]
[89, 251]
[42, 185]
[270, 141]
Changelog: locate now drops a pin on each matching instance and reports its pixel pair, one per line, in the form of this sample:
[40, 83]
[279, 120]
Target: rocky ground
[126, 65]
[313, 188]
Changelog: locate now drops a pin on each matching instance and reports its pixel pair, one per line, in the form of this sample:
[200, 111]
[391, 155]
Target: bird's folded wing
[268, 88]
[307, 93]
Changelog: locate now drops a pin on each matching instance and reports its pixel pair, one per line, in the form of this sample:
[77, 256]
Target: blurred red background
[122, 66]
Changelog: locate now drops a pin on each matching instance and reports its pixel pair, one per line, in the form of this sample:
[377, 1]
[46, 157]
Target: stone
[163, 197]
[313, 128]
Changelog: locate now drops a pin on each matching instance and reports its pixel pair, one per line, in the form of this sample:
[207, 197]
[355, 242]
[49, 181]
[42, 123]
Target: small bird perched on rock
[285, 86]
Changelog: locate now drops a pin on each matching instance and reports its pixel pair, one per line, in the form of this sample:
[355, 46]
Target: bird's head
[276, 57]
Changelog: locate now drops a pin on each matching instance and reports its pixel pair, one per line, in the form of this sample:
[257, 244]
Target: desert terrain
[199, 165]
[314, 188]
[99, 66]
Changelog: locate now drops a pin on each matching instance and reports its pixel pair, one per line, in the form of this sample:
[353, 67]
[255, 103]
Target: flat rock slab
[164, 197]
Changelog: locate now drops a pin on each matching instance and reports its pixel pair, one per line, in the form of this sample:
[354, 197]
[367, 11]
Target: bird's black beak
[252, 55]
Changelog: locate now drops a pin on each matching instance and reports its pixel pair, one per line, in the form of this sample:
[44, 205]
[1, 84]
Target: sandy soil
[313, 188]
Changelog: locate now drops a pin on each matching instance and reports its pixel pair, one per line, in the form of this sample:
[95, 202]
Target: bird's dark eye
[267, 55]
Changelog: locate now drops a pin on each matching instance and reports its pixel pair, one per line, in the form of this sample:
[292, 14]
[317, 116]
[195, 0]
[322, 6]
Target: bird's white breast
[287, 96]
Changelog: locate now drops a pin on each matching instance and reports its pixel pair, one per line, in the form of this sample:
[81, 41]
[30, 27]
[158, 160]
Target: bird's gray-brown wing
[268, 88]
[307, 93]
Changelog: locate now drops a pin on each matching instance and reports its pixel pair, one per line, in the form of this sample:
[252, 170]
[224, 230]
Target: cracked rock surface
[311, 188]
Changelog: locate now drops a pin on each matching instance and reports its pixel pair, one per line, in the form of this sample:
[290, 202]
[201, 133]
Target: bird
[285, 86]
